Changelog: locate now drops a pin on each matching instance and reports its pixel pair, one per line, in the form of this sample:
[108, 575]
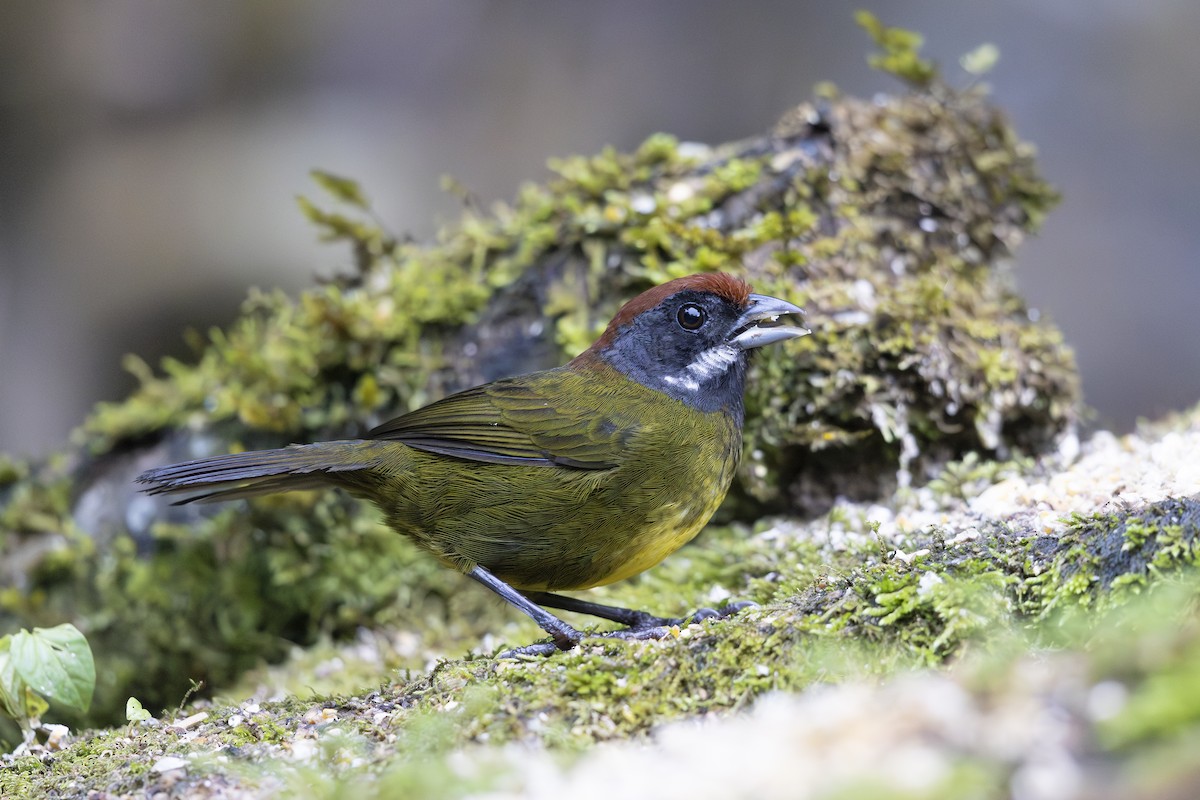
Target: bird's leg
[628, 617]
[635, 620]
[642, 625]
[565, 637]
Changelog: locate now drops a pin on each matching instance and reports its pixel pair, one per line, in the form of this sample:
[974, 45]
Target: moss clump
[1106, 556]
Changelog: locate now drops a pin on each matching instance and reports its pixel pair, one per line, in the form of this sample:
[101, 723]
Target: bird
[561, 479]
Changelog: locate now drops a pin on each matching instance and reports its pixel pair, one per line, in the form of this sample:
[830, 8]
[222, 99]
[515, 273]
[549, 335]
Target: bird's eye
[691, 316]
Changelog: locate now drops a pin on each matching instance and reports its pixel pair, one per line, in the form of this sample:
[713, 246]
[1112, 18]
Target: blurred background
[150, 152]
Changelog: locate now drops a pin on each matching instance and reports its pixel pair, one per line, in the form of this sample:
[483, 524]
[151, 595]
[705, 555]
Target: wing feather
[553, 418]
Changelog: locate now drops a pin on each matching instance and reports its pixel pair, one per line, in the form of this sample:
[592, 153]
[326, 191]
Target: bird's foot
[530, 652]
[564, 638]
[640, 634]
[645, 627]
[646, 621]
[537, 650]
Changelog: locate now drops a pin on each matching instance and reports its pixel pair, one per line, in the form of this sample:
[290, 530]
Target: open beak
[760, 325]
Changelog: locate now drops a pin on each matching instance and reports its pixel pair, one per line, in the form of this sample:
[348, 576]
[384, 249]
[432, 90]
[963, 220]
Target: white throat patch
[710, 363]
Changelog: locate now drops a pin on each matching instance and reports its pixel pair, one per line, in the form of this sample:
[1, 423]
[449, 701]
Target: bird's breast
[671, 493]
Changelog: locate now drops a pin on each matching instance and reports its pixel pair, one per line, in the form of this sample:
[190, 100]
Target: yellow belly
[658, 540]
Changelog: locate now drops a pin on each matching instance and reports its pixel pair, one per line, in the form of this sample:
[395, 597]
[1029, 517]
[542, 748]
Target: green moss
[962, 480]
[1166, 705]
[837, 603]
[1102, 558]
[899, 51]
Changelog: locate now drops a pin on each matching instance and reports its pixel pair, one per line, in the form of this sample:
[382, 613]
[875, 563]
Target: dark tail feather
[258, 472]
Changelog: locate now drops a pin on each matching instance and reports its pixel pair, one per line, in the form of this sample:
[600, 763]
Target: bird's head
[690, 338]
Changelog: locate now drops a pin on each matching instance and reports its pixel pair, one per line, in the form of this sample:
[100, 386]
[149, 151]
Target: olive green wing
[543, 419]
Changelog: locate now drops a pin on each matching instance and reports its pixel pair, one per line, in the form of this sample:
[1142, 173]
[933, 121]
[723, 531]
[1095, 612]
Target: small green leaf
[344, 189]
[309, 209]
[869, 23]
[335, 226]
[56, 663]
[134, 711]
[981, 60]
[11, 686]
[900, 51]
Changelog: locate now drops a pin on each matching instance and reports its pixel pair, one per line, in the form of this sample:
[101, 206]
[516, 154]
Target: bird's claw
[530, 652]
[638, 634]
[729, 609]
[724, 612]
[647, 621]
[538, 650]
[647, 629]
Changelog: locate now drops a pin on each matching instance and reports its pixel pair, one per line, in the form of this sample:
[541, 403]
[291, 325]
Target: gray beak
[760, 325]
